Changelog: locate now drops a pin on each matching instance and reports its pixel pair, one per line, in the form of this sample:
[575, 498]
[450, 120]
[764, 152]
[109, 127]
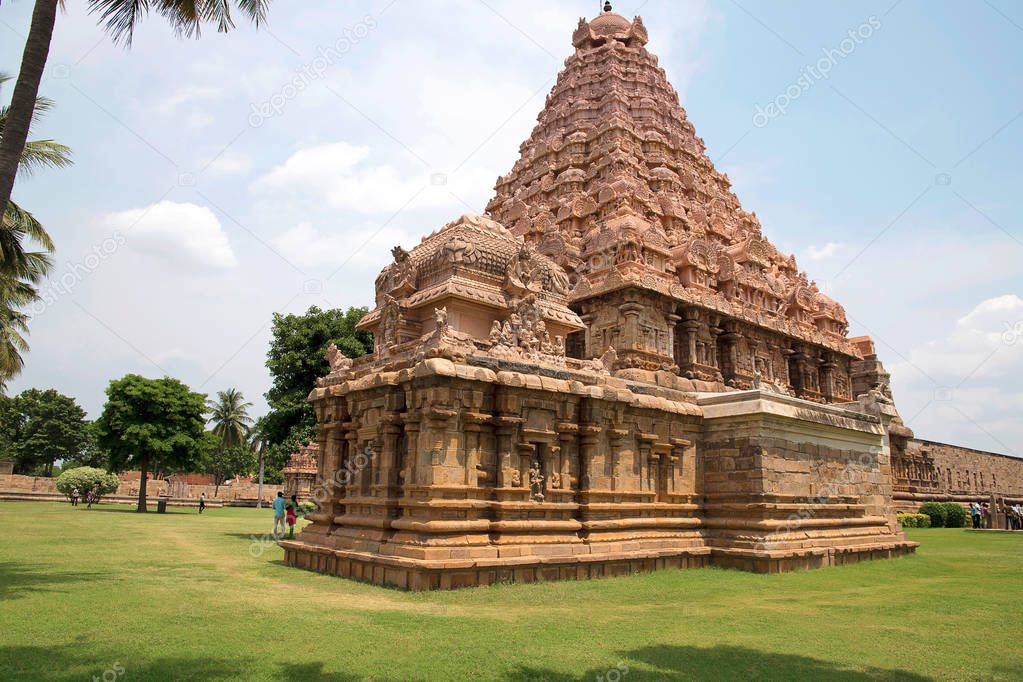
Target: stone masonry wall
[962, 470]
[14, 483]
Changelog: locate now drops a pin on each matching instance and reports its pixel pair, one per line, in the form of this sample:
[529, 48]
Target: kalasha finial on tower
[607, 5]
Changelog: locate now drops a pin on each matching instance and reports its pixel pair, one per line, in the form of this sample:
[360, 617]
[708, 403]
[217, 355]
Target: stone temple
[613, 370]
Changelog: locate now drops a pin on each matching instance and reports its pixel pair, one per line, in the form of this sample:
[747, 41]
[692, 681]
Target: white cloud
[337, 173]
[360, 246]
[182, 96]
[829, 250]
[199, 119]
[180, 233]
[963, 388]
[230, 163]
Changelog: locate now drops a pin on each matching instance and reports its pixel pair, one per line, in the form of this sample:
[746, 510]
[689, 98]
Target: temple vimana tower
[612, 370]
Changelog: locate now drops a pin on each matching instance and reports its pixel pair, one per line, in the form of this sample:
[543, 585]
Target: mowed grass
[181, 596]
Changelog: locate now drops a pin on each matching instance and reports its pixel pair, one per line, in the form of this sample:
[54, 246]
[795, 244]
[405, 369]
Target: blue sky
[218, 181]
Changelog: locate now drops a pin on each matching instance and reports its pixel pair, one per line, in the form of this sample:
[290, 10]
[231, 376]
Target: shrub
[937, 512]
[914, 520]
[955, 515]
[87, 483]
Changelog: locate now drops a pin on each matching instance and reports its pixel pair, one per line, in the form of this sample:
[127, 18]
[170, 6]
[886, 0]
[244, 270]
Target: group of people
[980, 514]
[285, 511]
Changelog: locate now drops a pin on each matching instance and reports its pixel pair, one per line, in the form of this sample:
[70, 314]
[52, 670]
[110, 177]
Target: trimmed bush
[914, 520]
[87, 484]
[937, 512]
[955, 515]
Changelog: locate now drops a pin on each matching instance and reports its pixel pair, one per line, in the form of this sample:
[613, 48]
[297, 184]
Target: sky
[218, 181]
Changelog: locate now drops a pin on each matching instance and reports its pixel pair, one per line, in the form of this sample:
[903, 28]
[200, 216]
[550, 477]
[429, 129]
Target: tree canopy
[296, 361]
[152, 424]
[37, 428]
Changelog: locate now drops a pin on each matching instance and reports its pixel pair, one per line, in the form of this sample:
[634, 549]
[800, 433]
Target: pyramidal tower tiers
[611, 371]
[616, 187]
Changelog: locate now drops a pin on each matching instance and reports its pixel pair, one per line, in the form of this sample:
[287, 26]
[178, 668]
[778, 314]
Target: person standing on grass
[202, 502]
[292, 516]
[975, 514]
[278, 506]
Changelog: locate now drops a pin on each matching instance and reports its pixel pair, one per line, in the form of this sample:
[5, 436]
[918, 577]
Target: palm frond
[255, 9]
[44, 154]
[120, 17]
[18, 223]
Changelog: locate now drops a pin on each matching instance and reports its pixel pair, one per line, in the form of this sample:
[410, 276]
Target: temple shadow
[67, 663]
[18, 579]
[720, 663]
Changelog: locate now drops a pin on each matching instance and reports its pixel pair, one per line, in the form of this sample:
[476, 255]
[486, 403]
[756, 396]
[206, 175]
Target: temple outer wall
[15, 487]
[931, 471]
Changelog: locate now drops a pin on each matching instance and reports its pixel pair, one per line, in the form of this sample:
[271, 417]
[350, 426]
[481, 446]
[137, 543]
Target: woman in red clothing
[291, 515]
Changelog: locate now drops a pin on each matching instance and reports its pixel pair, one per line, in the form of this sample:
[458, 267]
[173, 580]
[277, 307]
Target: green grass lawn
[179, 596]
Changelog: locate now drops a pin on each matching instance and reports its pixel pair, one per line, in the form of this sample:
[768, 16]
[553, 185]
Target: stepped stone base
[411, 574]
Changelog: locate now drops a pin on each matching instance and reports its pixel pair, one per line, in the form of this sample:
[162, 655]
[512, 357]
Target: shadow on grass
[719, 663]
[311, 672]
[66, 663]
[18, 579]
[246, 536]
[125, 509]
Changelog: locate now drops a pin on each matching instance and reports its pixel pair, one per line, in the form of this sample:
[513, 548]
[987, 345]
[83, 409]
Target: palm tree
[21, 269]
[229, 414]
[119, 18]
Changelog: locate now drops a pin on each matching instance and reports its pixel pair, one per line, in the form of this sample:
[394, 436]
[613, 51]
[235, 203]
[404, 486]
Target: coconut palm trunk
[23, 101]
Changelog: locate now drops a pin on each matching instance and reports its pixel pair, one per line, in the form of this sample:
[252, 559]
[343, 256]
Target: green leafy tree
[119, 18]
[92, 455]
[152, 424]
[37, 428]
[296, 361]
[88, 484]
[224, 463]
